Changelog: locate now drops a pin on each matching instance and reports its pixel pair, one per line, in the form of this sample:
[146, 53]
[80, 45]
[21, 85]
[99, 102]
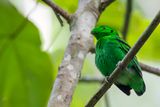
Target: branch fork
[58, 11]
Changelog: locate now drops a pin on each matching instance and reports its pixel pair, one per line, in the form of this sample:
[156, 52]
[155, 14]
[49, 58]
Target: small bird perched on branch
[110, 49]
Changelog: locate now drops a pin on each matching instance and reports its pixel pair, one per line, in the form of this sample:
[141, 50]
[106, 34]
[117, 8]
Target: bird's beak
[93, 32]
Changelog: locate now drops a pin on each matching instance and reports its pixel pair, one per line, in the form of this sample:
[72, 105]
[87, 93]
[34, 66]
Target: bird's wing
[134, 63]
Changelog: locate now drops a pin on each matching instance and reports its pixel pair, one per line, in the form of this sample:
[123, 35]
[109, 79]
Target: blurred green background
[31, 50]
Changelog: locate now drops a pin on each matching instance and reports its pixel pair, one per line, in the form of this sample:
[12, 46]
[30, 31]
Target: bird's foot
[118, 63]
[106, 79]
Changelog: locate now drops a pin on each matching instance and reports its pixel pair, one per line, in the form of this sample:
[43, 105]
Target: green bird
[110, 49]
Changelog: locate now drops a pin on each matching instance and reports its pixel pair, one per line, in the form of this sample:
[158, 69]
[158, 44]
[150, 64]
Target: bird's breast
[105, 63]
[106, 57]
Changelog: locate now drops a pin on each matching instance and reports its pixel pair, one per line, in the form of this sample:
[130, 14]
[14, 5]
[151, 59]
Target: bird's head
[101, 31]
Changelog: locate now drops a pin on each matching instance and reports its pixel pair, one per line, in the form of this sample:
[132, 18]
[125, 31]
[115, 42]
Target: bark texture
[81, 41]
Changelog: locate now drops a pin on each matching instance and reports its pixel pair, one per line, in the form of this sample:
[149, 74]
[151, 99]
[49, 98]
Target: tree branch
[91, 80]
[58, 11]
[122, 64]
[127, 18]
[144, 67]
[150, 69]
[104, 4]
[78, 47]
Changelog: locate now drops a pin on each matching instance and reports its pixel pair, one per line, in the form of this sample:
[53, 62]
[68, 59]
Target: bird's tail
[124, 88]
[140, 87]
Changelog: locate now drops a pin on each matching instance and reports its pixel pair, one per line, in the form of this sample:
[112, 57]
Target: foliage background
[30, 56]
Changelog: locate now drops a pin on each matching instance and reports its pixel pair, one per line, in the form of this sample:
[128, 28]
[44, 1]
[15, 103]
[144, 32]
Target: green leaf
[25, 71]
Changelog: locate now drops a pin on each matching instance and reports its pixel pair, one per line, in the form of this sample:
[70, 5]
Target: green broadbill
[110, 49]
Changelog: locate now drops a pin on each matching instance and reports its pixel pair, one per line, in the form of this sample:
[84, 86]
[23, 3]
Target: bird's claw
[106, 79]
[118, 63]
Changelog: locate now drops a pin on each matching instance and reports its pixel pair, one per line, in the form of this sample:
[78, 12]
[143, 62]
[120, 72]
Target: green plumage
[110, 49]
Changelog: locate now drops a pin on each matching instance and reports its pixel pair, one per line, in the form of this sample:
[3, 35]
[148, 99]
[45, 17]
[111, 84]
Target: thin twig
[150, 69]
[144, 67]
[91, 80]
[122, 64]
[127, 18]
[59, 18]
[58, 11]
